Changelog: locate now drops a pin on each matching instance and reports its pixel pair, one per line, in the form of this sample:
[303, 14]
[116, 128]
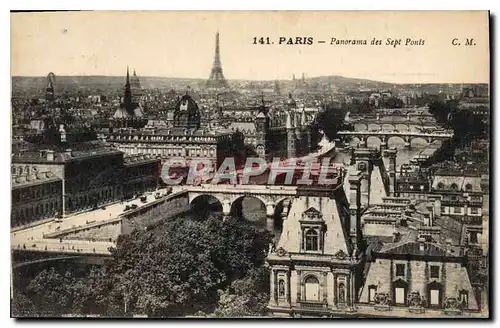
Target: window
[400, 270]
[372, 290]
[311, 287]
[311, 240]
[468, 187]
[454, 186]
[434, 271]
[454, 198]
[457, 210]
[440, 185]
[464, 299]
[474, 210]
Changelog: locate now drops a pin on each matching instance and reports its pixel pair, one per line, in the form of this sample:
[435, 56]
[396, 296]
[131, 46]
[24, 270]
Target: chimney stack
[50, 155]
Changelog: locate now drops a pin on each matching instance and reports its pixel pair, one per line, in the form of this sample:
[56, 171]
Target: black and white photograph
[250, 164]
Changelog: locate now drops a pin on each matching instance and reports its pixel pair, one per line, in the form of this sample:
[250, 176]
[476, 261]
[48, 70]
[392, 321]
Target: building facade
[185, 139]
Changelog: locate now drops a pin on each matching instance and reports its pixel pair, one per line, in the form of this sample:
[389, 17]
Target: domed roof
[290, 101]
[186, 103]
[186, 113]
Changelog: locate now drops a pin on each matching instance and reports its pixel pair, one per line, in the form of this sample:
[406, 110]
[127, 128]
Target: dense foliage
[331, 119]
[178, 269]
[465, 125]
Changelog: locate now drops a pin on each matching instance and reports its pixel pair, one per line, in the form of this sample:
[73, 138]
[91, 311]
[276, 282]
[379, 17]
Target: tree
[245, 297]
[22, 306]
[393, 102]
[331, 120]
[177, 269]
[466, 127]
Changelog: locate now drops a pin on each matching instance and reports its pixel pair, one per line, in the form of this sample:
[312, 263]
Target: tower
[135, 88]
[127, 96]
[216, 79]
[290, 136]
[49, 91]
[262, 127]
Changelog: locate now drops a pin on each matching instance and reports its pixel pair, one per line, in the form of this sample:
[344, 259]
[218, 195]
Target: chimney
[50, 155]
[448, 246]
[427, 219]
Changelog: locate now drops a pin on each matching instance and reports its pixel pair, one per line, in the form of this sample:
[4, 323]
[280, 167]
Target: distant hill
[104, 84]
[35, 86]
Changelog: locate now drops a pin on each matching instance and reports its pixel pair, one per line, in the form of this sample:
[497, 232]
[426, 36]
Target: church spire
[127, 81]
[127, 96]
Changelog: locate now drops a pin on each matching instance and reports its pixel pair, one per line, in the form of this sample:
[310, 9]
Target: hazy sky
[181, 44]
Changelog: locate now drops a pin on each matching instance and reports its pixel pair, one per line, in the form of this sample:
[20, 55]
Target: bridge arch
[375, 141]
[388, 126]
[395, 139]
[359, 126]
[251, 208]
[419, 141]
[204, 204]
[402, 127]
[374, 127]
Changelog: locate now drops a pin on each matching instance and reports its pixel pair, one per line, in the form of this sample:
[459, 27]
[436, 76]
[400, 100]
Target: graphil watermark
[303, 172]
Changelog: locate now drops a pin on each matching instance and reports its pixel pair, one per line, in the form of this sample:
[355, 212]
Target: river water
[254, 211]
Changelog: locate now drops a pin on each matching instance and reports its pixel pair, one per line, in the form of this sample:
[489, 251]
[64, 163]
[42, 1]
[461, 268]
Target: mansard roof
[414, 248]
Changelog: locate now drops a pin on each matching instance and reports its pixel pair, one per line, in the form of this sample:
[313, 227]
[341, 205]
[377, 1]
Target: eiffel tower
[216, 79]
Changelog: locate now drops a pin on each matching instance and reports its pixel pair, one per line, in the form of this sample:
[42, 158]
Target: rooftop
[33, 179]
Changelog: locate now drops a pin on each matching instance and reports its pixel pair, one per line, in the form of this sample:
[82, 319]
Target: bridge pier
[270, 217]
[392, 154]
[362, 142]
[383, 143]
[407, 145]
[226, 209]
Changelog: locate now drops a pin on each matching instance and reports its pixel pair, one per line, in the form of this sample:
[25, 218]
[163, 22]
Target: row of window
[172, 152]
[458, 210]
[401, 270]
[36, 192]
[454, 186]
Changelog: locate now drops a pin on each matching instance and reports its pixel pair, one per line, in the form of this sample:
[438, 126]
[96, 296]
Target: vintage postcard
[250, 164]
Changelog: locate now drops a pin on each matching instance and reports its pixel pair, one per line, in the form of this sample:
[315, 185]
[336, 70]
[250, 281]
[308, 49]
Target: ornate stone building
[396, 258]
[131, 111]
[315, 266]
[283, 133]
[185, 139]
[61, 168]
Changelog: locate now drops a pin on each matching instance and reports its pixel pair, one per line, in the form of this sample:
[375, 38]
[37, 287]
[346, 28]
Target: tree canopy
[330, 119]
[176, 269]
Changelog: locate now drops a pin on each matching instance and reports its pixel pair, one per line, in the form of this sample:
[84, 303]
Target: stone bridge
[407, 137]
[378, 121]
[230, 196]
[227, 195]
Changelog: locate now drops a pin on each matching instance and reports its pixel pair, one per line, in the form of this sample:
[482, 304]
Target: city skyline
[186, 49]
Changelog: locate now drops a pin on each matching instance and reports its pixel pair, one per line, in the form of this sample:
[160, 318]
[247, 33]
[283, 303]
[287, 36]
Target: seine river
[253, 210]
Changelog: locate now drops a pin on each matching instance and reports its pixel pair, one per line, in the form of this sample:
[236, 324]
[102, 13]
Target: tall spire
[127, 81]
[216, 79]
[127, 96]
